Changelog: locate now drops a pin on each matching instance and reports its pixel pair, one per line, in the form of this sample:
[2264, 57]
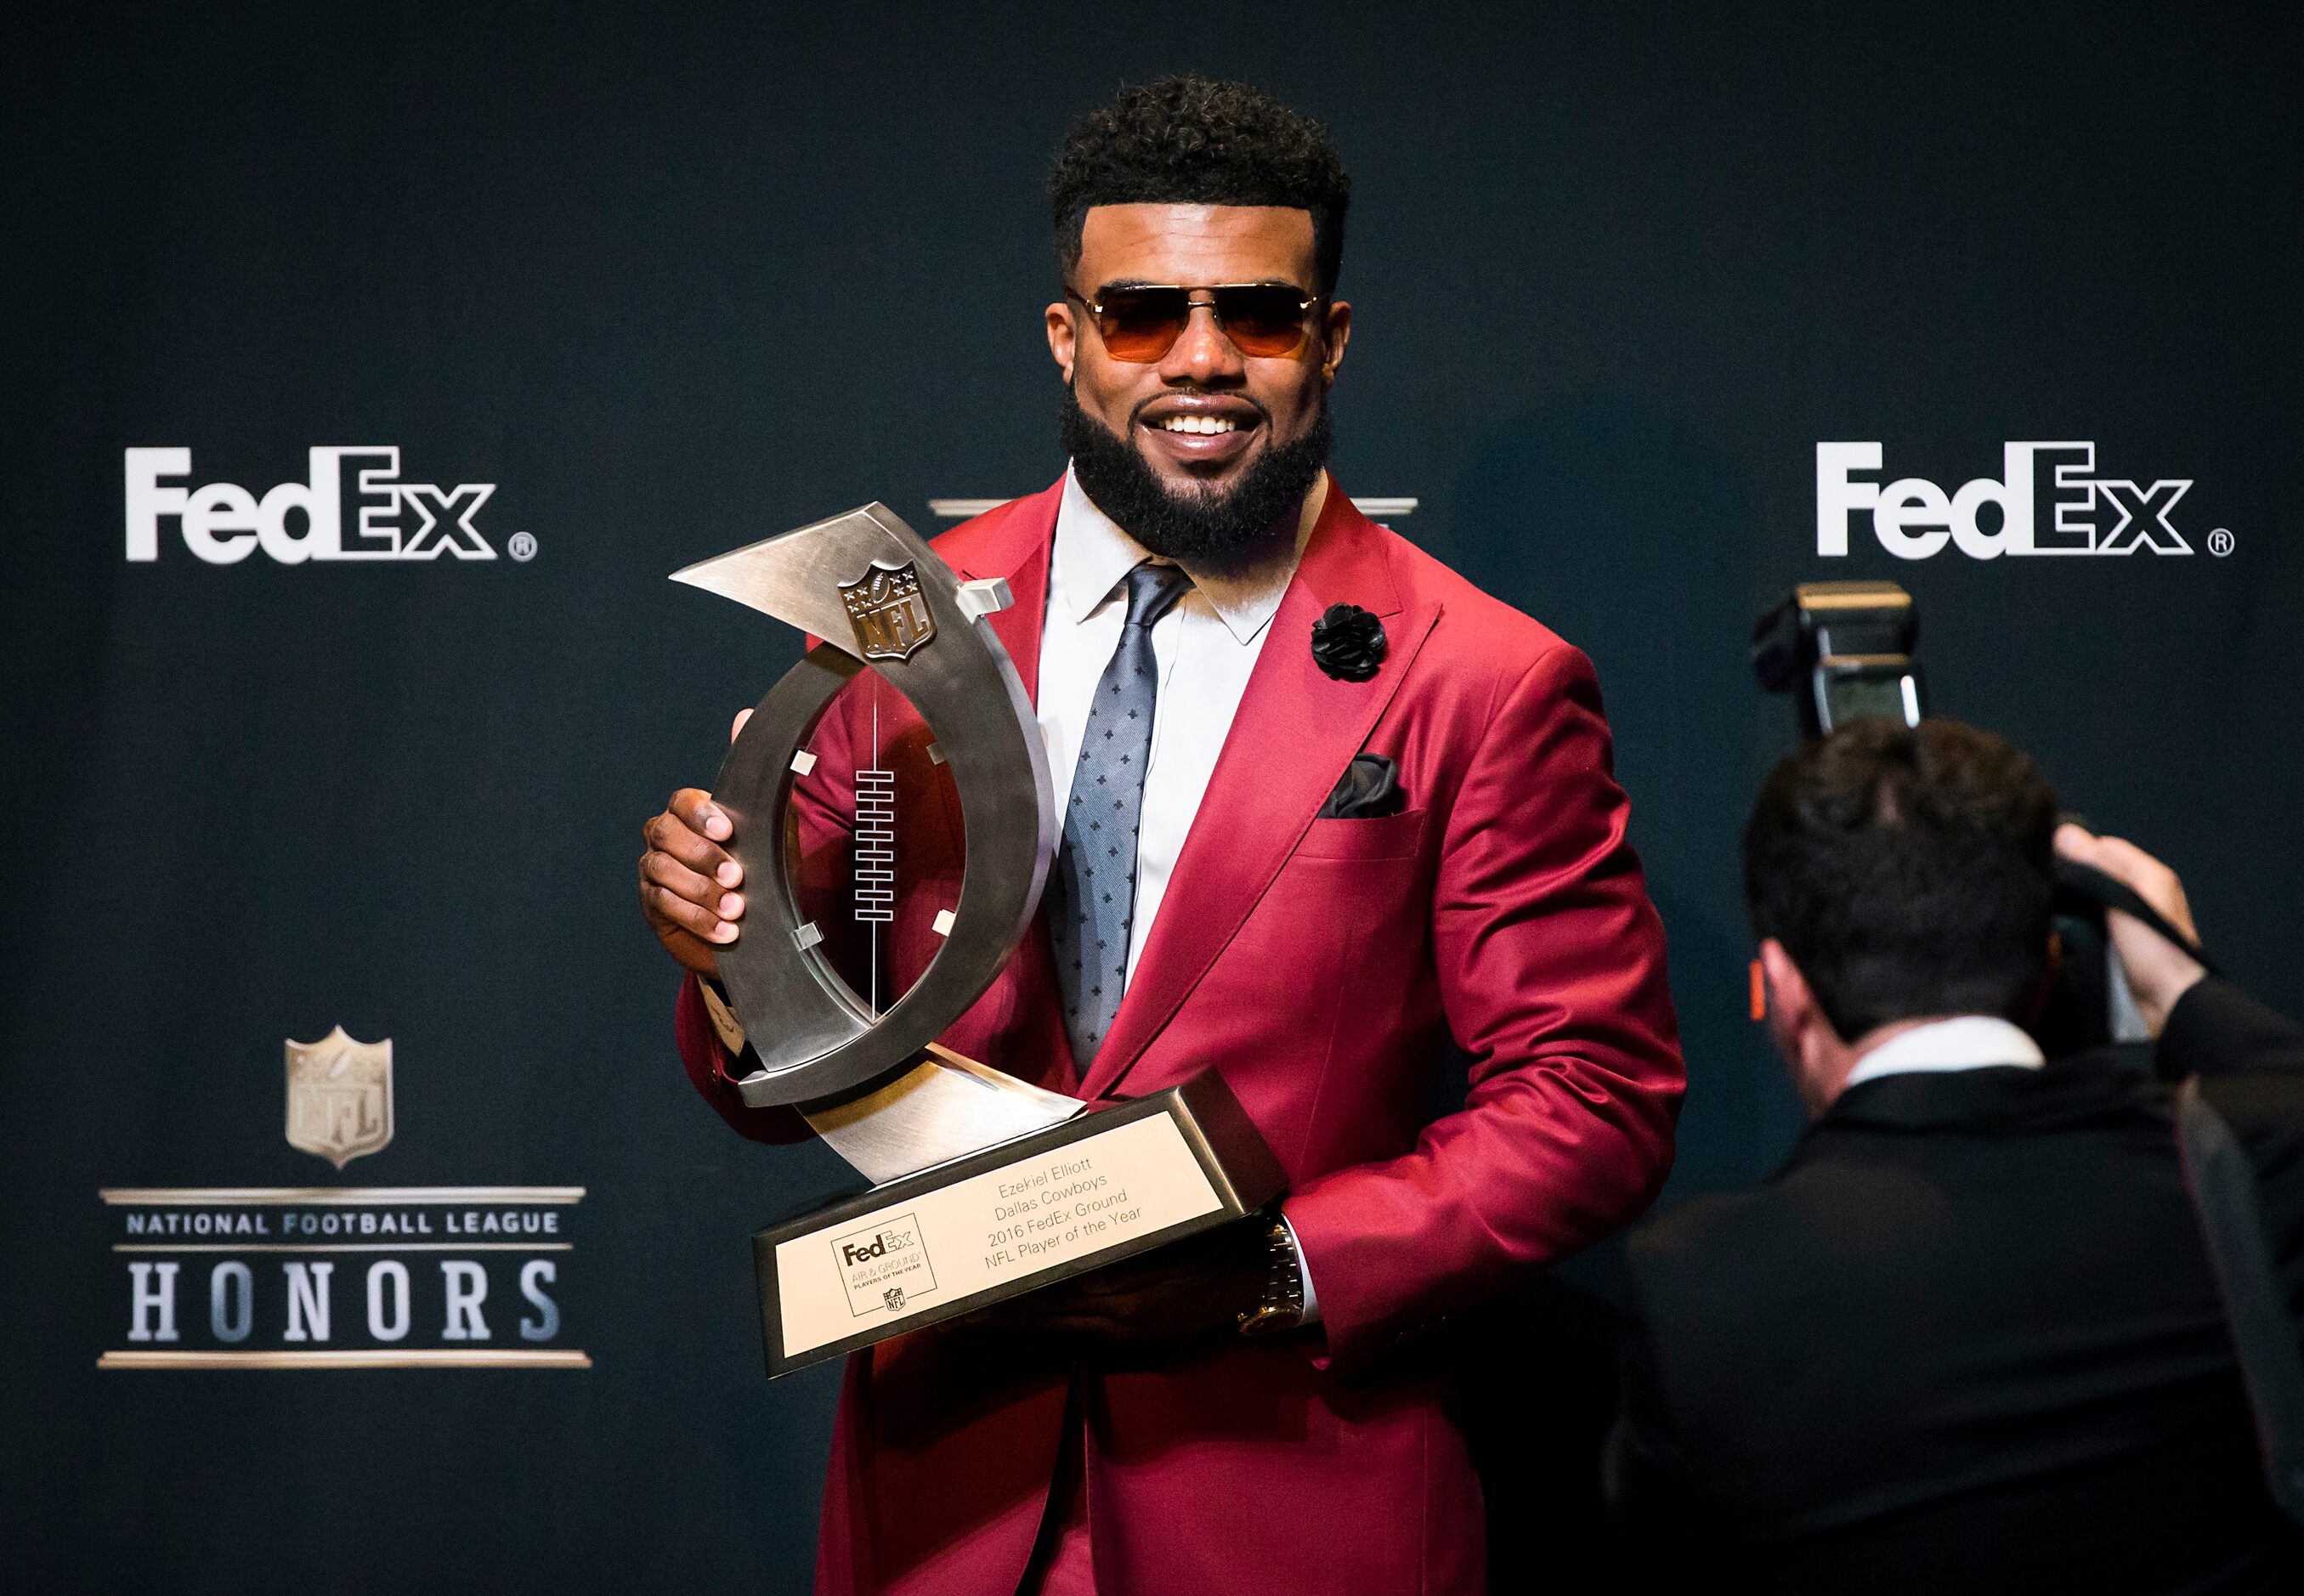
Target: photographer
[1969, 1337]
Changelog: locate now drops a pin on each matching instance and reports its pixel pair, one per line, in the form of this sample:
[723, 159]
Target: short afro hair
[1188, 140]
[1906, 871]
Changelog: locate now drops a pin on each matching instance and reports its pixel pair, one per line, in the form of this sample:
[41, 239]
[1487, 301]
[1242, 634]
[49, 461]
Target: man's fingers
[670, 908]
[2158, 972]
[2134, 869]
[2150, 879]
[741, 717]
[702, 891]
[2076, 842]
[694, 807]
[684, 830]
[666, 834]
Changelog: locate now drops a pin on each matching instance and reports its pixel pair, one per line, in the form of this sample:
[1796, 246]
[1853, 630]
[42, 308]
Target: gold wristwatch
[1282, 1307]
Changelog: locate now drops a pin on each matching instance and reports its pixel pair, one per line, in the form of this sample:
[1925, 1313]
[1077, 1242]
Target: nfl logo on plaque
[894, 817]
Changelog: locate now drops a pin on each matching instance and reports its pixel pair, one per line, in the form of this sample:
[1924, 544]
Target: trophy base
[1109, 1183]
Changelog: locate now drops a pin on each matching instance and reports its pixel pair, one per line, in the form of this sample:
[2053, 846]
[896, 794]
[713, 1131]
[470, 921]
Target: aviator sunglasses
[1141, 323]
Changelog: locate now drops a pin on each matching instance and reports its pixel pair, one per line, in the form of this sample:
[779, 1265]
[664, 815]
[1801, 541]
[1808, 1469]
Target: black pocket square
[1368, 788]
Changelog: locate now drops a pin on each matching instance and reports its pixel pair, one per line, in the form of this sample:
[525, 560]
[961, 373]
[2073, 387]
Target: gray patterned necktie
[1093, 899]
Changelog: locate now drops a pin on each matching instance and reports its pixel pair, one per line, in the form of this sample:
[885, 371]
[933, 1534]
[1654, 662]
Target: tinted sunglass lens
[1262, 320]
[1142, 323]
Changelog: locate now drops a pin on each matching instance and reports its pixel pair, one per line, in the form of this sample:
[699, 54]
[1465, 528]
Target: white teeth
[1202, 424]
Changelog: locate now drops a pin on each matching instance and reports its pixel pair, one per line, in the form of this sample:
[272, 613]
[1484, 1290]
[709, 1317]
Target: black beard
[1220, 532]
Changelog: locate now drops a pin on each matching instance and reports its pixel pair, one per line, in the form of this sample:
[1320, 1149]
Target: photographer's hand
[2158, 972]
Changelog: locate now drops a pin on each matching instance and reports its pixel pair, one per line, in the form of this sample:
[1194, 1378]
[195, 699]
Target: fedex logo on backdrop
[2048, 499]
[351, 505]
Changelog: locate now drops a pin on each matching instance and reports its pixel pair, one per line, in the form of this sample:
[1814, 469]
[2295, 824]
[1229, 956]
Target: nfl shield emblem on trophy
[891, 616]
[339, 1097]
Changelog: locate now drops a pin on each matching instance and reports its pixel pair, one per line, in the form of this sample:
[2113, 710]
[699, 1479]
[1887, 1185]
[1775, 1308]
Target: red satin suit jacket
[1321, 964]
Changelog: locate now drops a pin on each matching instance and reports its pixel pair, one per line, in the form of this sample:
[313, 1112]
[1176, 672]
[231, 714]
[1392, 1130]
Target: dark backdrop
[675, 278]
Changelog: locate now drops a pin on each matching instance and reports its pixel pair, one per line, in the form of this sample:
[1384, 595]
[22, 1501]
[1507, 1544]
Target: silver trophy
[893, 855]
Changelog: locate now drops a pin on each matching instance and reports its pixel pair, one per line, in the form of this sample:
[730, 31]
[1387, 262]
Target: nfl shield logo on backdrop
[888, 611]
[339, 1096]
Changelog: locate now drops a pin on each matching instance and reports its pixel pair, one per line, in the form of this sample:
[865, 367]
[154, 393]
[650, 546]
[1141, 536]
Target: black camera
[1843, 649]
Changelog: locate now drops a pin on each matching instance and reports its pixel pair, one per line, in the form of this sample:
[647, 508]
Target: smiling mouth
[1201, 434]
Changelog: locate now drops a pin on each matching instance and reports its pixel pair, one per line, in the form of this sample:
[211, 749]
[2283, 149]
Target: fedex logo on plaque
[883, 1268]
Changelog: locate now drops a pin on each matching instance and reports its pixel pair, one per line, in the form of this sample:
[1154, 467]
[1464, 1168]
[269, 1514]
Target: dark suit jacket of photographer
[1968, 1338]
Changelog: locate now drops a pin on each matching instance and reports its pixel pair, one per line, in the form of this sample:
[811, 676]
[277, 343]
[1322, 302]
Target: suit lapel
[1296, 730]
[1015, 547]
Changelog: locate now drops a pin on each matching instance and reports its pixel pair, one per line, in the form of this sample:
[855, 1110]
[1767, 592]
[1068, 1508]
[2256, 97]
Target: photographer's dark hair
[1188, 140]
[1907, 871]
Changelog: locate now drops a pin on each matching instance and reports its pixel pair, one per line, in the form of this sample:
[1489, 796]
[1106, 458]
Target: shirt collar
[1966, 1042]
[1092, 554]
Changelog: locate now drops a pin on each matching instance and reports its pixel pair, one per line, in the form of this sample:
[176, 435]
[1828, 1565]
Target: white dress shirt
[1206, 648]
[1966, 1042]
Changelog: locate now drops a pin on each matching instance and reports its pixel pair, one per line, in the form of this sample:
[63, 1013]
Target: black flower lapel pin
[1348, 642]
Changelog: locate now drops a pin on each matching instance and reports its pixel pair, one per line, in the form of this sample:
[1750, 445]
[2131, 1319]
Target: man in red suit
[1371, 811]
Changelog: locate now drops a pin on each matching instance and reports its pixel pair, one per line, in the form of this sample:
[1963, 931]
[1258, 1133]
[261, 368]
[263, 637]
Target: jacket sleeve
[2216, 1029]
[714, 1071]
[1550, 968]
